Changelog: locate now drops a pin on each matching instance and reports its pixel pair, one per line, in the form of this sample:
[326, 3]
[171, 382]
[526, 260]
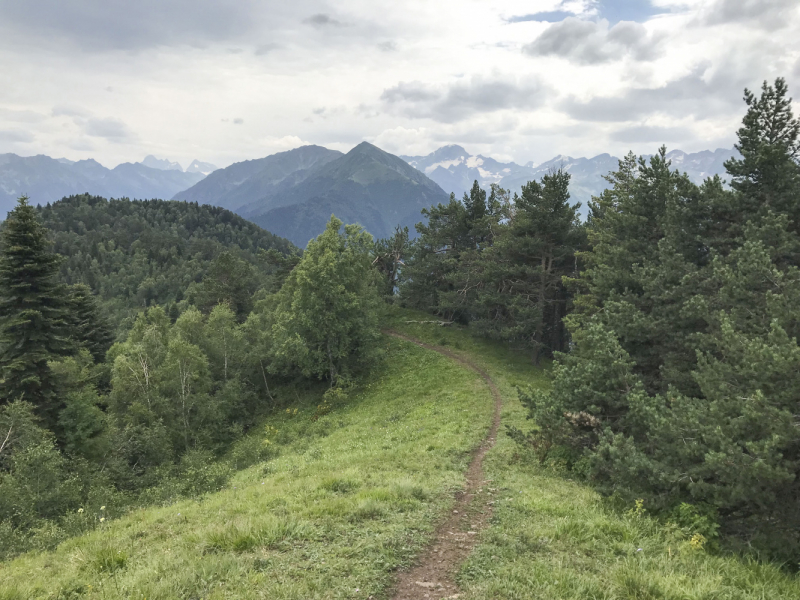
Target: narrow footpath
[433, 577]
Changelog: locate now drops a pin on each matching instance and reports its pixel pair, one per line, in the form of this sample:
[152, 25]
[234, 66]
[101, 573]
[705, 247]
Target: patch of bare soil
[433, 577]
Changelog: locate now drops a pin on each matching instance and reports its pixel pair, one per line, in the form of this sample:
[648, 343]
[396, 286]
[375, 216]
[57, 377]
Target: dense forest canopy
[136, 254]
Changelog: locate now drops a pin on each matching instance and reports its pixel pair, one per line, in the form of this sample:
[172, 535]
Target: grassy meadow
[552, 538]
[354, 490]
[351, 496]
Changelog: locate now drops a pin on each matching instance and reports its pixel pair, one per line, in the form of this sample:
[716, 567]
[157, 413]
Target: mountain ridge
[45, 179]
[455, 170]
[294, 193]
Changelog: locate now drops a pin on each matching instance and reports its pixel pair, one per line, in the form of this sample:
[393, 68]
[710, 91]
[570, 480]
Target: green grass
[351, 497]
[553, 538]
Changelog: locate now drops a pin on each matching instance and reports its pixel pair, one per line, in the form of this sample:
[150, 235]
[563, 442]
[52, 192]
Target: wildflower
[102, 519]
[103, 507]
[80, 510]
[638, 549]
[698, 541]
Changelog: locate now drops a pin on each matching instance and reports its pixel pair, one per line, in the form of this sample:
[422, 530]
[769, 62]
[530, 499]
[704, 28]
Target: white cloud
[408, 76]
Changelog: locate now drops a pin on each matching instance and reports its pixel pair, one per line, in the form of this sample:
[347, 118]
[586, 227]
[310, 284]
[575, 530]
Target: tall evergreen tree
[88, 326]
[521, 296]
[32, 320]
[767, 176]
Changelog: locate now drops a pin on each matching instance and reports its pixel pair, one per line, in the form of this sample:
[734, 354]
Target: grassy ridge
[351, 497]
[552, 538]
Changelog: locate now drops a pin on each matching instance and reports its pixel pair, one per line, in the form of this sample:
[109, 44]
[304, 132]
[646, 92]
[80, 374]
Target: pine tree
[32, 319]
[88, 326]
[520, 296]
[767, 176]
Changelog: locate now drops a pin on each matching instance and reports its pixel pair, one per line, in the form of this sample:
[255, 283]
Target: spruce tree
[88, 327]
[32, 316]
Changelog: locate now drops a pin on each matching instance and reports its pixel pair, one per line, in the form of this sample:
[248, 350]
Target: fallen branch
[439, 323]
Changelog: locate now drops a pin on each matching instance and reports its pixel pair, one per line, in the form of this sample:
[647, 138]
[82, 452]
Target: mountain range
[46, 179]
[455, 169]
[295, 192]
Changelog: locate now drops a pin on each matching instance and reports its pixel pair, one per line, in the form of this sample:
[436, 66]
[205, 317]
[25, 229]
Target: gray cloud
[110, 129]
[695, 94]
[387, 46]
[645, 133]
[238, 121]
[322, 20]
[120, 24]
[766, 14]
[16, 135]
[552, 16]
[462, 99]
[263, 49]
[589, 42]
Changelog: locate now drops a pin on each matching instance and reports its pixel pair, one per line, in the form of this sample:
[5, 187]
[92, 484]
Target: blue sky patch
[613, 10]
[553, 16]
[627, 10]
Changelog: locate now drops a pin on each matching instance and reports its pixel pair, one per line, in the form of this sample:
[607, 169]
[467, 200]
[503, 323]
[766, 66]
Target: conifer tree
[32, 320]
[88, 326]
[767, 176]
[521, 295]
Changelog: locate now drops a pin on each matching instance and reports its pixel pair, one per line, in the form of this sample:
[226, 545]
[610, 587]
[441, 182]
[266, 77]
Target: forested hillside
[136, 254]
[672, 316]
[154, 415]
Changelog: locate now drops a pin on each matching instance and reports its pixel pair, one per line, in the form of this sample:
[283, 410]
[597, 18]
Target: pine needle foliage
[32, 313]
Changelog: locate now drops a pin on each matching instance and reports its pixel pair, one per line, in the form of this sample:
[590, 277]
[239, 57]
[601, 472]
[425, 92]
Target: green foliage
[326, 318]
[498, 263]
[389, 256]
[35, 480]
[135, 254]
[685, 332]
[521, 297]
[229, 280]
[32, 315]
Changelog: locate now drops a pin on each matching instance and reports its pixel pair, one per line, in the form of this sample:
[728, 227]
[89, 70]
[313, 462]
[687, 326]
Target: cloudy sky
[523, 80]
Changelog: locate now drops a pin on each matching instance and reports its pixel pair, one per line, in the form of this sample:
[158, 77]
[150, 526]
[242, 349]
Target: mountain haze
[254, 182]
[455, 169]
[294, 193]
[46, 179]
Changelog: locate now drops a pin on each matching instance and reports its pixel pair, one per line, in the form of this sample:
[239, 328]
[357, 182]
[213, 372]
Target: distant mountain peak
[201, 167]
[162, 164]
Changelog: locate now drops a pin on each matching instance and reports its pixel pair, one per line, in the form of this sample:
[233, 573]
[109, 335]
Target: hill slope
[46, 179]
[254, 181]
[353, 494]
[133, 253]
[367, 186]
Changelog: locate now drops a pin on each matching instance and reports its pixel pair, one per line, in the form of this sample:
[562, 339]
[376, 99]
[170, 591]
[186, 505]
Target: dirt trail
[433, 577]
